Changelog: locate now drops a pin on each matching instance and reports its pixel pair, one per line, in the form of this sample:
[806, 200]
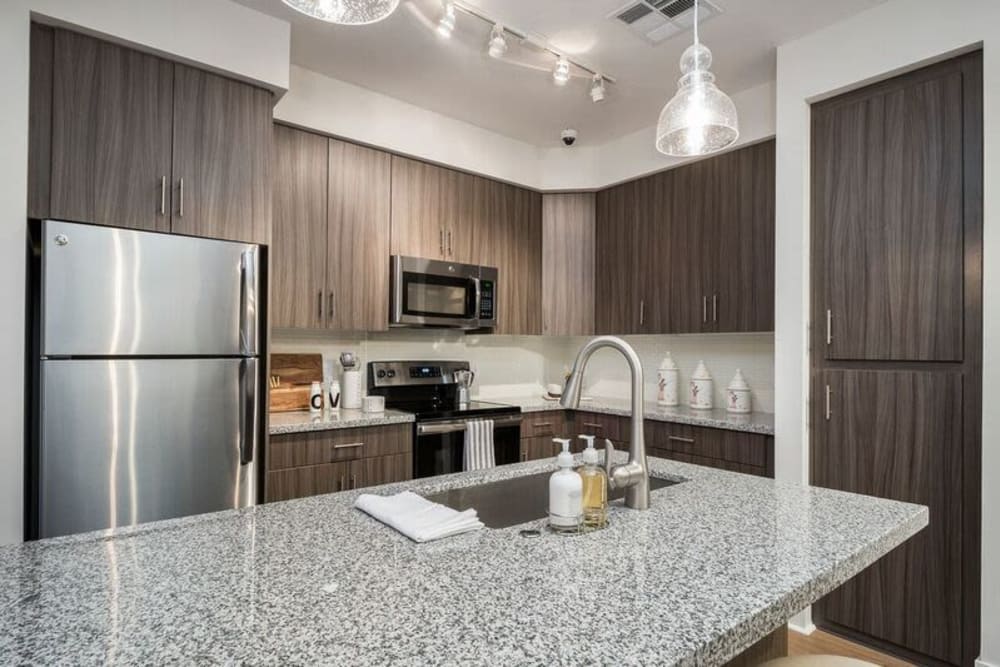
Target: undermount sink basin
[510, 502]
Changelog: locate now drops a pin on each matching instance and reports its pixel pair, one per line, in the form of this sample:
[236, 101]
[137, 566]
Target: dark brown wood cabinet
[568, 264]
[124, 138]
[736, 451]
[896, 390]
[306, 464]
[515, 242]
[616, 304]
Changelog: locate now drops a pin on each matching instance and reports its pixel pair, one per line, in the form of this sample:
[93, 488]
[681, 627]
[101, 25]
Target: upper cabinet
[123, 138]
[568, 264]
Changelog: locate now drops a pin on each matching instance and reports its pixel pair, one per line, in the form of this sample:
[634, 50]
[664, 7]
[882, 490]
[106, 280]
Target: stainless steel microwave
[432, 293]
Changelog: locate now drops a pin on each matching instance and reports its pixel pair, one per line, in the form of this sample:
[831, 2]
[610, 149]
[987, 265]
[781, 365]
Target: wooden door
[898, 435]
[111, 132]
[359, 230]
[568, 264]
[418, 228]
[516, 241]
[222, 143]
[888, 201]
[299, 235]
[616, 304]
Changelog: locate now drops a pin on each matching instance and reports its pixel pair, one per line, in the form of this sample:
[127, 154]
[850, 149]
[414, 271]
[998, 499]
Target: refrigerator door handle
[248, 410]
[248, 302]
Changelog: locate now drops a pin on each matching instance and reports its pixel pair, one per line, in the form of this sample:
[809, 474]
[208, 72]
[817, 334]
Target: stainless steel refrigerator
[147, 387]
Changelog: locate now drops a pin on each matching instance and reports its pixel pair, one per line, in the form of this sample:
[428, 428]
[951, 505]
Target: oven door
[429, 293]
[439, 448]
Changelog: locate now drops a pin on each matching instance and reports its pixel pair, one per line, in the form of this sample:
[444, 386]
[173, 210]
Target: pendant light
[345, 12]
[700, 118]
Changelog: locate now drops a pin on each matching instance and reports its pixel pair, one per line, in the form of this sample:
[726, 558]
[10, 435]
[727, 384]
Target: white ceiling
[403, 57]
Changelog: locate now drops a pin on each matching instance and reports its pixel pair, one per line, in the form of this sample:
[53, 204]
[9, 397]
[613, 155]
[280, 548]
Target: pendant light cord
[695, 21]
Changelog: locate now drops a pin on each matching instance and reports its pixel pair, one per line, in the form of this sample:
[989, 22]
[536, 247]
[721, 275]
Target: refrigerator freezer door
[118, 292]
[129, 441]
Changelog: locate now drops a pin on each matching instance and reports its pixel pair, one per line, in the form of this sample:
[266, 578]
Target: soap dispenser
[565, 493]
[595, 487]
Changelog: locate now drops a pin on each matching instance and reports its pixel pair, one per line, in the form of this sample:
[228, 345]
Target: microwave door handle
[479, 297]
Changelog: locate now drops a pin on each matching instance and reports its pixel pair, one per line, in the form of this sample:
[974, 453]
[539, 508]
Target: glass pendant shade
[700, 118]
[346, 12]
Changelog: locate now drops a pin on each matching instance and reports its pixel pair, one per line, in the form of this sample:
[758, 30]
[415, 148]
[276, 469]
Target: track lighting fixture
[597, 88]
[561, 73]
[447, 23]
[498, 43]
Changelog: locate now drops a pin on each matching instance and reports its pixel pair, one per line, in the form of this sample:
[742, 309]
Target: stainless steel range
[430, 390]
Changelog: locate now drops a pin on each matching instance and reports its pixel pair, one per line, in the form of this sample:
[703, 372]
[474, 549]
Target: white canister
[373, 404]
[738, 394]
[668, 379]
[315, 397]
[350, 398]
[702, 388]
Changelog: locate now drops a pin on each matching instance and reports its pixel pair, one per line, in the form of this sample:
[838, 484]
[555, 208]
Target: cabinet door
[568, 264]
[111, 124]
[381, 470]
[418, 228]
[754, 290]
[222, 145]
[299, 235]
[688, 305]
[516, 240]
[650, 262]
[358, 251]
[616, 304]
[469, 218]
[308, 481]
[898, 435]
[888, 204]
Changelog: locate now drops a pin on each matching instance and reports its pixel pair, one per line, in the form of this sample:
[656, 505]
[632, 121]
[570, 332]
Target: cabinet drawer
[731, 466]
[308, 481]
[603, 426]
[748, 449]
[551, 424]
[318, 447]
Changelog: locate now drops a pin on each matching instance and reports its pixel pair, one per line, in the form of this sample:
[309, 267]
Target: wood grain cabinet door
[299, 233]
[358, 237]
[111, 131]
[568, 264]
[221, 158]
[418, 228]
[688, 295]
[616, 308]
[898, 435]
[888, 203]
[516, 242]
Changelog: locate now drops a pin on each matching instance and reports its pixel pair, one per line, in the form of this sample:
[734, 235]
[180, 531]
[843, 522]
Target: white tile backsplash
[522, 365]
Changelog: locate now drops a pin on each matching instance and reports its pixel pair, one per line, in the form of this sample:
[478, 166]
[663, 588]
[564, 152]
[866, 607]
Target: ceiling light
[447, 23]
[700, 118]
[346, 12]
[597, 88]
[561, 73]
[498, 43]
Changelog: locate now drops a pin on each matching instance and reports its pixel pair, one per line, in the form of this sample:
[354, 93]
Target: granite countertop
[303, 421]
[718, 562]
[755, 422]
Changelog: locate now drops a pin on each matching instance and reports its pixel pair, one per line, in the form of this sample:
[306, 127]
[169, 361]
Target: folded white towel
[479, 454]
[416, 517]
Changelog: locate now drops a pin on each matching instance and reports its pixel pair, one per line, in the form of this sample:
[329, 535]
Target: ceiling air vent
[656, 21]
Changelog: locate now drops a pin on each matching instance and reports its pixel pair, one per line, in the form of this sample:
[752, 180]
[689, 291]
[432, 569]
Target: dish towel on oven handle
[416, 517]
[479, 454]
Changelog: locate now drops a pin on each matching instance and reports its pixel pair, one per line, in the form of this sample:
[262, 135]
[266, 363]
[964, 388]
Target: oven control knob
[391, 373]
[380, 374]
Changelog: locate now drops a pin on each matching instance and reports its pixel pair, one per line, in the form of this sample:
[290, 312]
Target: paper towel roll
[350, 388]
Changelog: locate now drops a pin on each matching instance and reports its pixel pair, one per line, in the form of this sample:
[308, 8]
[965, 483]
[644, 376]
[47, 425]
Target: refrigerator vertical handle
[248, 410]
[248, 301]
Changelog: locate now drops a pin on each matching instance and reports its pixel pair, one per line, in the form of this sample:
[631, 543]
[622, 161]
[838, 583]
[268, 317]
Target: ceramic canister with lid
[738, 394]
[702, 388]
[668, 379]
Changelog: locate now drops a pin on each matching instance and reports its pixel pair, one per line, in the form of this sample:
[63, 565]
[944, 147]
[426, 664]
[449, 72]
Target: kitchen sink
[510, 502]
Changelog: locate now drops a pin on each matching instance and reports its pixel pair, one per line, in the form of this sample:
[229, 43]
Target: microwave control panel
[487, 299]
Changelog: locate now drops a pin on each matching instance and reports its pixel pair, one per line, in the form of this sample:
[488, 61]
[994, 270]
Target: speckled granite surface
[719, 561]
[300, 422]
[755, 422]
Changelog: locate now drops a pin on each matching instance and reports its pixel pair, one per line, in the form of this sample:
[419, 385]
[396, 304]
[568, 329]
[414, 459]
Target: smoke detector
[656, 21]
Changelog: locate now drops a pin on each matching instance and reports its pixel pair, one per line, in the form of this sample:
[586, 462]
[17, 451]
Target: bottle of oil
[595, 488]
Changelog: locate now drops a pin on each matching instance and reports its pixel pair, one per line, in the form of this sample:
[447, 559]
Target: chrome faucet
[634, 475]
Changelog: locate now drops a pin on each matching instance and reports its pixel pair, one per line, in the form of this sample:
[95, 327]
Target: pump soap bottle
[565, 493]
[595, 488]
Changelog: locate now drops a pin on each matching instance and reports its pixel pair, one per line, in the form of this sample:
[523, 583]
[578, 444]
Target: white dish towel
[416, 517]
[479, 454]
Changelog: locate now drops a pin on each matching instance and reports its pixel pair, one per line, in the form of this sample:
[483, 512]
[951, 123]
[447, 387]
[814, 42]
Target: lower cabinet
[735, 451]
[308, 464]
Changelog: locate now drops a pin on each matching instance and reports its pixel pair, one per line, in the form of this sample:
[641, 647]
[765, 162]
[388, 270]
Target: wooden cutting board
[295, 374]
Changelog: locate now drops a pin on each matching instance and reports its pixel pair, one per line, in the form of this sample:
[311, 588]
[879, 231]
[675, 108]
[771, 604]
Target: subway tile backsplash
[523, 365]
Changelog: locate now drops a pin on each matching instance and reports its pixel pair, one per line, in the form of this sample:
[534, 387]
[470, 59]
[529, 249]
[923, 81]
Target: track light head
[597, 89]
[498, 43]
[447, 23]
[560, 75]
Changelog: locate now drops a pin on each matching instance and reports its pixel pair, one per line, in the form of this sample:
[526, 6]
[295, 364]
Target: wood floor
[823, 643]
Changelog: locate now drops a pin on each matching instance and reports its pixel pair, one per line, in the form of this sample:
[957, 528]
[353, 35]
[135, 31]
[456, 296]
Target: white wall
[887, 39]
[223, 35]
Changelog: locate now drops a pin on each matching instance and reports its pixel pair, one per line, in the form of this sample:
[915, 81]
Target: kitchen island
[719, 562]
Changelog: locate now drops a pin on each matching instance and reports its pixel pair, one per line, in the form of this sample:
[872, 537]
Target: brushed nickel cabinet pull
[829, 326]
[329, 307]
[163, 195]
[704, 309]
[180, 196]
[642, 312]
[451, 253]
[677, 438]
[441, 240]
[829, 411]
[340, 485]
[715, 307]
[354, 481]
[319, 305]
[595, 426]
[350, 445]
[524, 456]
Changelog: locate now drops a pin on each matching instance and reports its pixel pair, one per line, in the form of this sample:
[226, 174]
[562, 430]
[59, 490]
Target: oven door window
[439, 296]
